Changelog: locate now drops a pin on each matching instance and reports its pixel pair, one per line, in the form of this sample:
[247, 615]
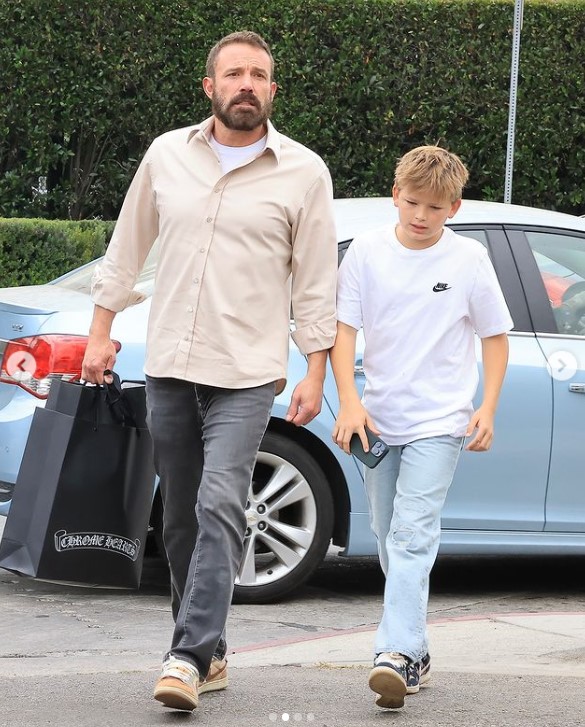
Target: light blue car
[527, 495]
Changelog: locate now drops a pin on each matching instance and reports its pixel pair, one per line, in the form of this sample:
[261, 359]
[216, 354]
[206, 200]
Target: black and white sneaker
[388, 679]
[418, 674]
[425, 670]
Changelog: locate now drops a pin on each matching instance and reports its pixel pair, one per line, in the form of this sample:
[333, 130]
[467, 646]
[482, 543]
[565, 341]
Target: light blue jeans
[406, 493]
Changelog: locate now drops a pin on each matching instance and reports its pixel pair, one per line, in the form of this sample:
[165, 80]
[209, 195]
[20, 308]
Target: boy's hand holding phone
[377, 449]
[356, 433]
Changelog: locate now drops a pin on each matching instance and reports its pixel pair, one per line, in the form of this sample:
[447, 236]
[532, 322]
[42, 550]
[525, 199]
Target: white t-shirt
[231, 157]
[419, 310]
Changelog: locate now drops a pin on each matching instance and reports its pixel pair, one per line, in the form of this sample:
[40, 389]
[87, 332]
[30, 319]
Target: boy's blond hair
[432, 169]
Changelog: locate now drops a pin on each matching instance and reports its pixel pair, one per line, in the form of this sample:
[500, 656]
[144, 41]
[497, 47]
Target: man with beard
[243, 220]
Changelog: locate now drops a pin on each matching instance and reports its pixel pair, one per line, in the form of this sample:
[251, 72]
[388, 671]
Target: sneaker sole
[175, 698]
[390, 687]
[214, 686]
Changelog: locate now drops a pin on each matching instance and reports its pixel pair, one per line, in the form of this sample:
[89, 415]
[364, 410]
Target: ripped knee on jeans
[402, 536]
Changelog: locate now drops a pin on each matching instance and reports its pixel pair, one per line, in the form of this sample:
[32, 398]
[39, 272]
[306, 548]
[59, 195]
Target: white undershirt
[231, 157]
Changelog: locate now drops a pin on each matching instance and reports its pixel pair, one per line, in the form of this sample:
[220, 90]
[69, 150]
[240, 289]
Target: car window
[479, 235]
[341, 250]
[80, 279]
[561, 262]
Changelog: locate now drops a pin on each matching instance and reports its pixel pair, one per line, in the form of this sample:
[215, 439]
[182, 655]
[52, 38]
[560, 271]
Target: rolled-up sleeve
[314, 269]
[135, 232]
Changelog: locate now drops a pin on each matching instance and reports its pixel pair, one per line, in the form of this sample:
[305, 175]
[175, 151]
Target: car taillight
[33, 362]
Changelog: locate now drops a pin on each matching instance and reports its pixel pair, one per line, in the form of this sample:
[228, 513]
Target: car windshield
[80, 279]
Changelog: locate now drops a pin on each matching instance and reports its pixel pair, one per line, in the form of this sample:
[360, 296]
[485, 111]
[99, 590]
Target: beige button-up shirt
[235, 251]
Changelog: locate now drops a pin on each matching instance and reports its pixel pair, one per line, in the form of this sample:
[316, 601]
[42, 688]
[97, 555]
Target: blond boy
[421, 293]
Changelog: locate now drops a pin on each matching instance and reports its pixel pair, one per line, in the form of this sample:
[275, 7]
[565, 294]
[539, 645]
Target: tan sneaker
[217, 677]
[177, 685]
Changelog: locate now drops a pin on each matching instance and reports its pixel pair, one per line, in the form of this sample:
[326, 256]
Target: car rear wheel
[290, 522]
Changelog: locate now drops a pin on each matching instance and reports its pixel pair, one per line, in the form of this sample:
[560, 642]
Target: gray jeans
[205, 444]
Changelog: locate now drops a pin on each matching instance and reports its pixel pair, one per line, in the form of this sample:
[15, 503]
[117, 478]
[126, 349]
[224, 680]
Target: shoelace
[178, 669]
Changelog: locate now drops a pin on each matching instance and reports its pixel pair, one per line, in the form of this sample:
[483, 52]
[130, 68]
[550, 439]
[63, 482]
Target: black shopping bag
[84, 490]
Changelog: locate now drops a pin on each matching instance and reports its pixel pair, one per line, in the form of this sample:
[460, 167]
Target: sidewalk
[491, 671]
[77, 658]
[547, 644]
[497, 670]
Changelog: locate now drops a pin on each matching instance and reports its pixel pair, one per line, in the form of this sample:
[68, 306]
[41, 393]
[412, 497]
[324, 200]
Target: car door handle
[577, 388]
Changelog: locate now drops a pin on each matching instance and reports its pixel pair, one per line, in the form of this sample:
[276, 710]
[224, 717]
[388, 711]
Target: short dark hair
[242, 36]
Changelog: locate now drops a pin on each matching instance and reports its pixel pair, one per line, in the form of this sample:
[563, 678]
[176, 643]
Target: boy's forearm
[495, 361]
[343, 361]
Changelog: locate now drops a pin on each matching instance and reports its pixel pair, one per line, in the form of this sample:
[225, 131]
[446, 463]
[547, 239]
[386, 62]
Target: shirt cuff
[495, 330]
[349, 320]
[113, 296]
[316, 337]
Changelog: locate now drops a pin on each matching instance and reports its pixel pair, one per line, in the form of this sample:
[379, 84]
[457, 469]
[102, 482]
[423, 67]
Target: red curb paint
[372, 627]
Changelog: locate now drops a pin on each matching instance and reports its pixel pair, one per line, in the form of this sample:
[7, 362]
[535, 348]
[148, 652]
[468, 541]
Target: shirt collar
[204, 129]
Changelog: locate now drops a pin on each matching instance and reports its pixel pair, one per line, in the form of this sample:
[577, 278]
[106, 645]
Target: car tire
[290, 522]
[300, 531]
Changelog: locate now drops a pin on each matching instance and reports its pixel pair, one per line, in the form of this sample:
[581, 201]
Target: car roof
[359, 214]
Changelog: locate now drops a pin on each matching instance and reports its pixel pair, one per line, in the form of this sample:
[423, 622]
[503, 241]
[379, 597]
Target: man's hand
[482, 422]
[306, 401]
[307, 396]
[100, 355]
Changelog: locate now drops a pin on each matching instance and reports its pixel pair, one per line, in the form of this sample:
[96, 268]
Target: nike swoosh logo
[439, 287]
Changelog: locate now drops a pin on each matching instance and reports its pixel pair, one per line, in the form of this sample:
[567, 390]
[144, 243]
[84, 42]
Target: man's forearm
[101, 324]
[316, 364]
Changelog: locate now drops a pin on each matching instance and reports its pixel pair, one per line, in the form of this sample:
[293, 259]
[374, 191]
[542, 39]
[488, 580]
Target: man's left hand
[305, 402]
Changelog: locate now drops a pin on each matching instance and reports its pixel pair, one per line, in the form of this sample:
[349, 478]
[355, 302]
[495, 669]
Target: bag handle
[119, 405]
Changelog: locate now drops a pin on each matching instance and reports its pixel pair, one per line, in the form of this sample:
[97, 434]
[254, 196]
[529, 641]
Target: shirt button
[201, 249]
[190, 309]
[195, 280]
[209, 219]
[218, 190]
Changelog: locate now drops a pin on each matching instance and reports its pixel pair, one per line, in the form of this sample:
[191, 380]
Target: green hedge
[86, 84]
[36, 251]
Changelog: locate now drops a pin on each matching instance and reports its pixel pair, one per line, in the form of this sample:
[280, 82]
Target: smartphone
[378, 449]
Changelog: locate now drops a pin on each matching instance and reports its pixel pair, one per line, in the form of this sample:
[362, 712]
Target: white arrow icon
[562, 365]
[21, 365]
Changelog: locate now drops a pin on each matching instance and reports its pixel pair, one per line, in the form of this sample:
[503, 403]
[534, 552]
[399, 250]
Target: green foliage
[36, 251]
[86, 84]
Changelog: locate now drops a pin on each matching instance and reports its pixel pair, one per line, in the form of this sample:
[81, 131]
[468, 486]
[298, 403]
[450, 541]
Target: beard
[237, 118]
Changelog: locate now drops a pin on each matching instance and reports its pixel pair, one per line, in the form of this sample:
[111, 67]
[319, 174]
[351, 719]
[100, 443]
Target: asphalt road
[82, 657]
